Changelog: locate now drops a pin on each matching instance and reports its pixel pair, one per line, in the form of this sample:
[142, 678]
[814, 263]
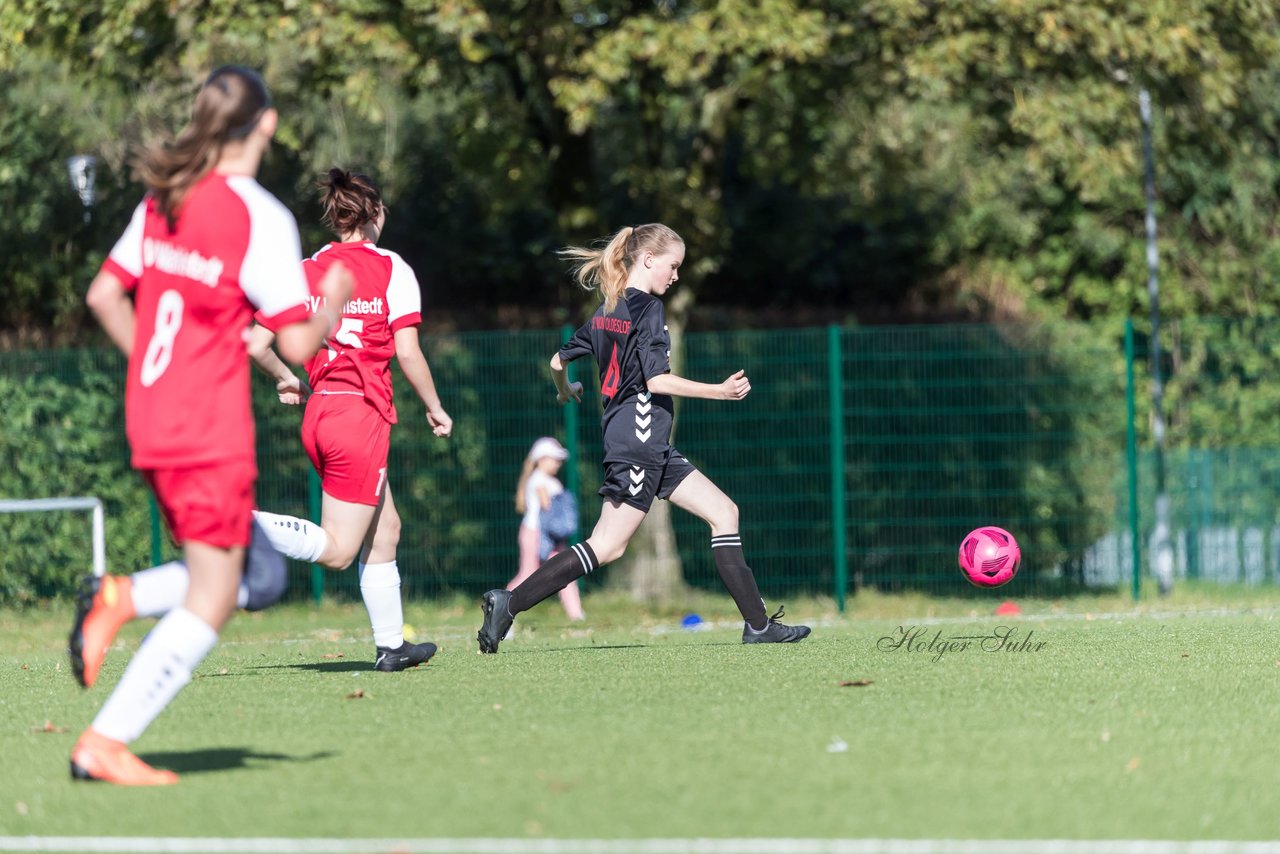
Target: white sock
[160, 589]
[158, 671]
[380, 587]
[293, 537]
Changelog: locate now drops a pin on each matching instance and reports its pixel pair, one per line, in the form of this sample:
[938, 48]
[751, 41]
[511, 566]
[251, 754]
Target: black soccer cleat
[403, 657]
[75, 642]
[496, 605]
[774, 632]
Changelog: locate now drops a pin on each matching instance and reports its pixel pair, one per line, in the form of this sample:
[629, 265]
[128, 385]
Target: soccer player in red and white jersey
[347, 426]
[206, 248]
[346, 432]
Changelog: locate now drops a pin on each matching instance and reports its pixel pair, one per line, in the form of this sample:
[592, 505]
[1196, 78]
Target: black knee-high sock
[557, 573]
[737, 576]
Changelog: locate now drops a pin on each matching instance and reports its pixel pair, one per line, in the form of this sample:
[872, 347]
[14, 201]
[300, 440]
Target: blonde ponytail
[525, 474]
[607, 267]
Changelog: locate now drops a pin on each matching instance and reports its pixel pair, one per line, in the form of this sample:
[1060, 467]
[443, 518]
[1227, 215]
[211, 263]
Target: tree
[878, 161]
[634, 105]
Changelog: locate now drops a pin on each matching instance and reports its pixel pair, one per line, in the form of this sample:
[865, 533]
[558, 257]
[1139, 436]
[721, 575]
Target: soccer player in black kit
[628, 337]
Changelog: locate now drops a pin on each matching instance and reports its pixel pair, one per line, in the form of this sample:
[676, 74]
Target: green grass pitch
[1157, 722]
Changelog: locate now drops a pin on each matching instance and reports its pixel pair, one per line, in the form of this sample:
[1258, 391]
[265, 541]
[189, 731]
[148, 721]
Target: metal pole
[313, 510]
[157, 553]
[835, 406]
[46, 505]
[570, 412]
[1131, 456]
[1161, 541]
[570, 426]
[99, 541]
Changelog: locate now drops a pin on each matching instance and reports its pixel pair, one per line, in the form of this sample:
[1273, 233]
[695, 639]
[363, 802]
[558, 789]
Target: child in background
[538, 485]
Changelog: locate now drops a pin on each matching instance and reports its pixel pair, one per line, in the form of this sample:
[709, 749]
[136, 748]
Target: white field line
[280, 845]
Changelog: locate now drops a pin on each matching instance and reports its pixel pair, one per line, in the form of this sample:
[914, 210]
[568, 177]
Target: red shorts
[210, 504]
[347, 441]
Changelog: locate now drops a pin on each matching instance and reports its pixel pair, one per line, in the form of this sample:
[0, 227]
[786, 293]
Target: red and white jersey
[234, 248]
[386, 299]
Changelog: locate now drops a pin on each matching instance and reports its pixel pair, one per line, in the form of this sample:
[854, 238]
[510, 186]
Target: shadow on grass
[591, 648]
[611, 647]
[321, 666]
[222, 759]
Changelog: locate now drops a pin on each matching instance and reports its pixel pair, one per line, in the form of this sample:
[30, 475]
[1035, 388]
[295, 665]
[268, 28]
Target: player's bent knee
[729, 515]
[341, 551]
[266, 576]
[387, 537]
[337, 560]
[386, 544]
[723, 518]
[390, 527]
[609, 553]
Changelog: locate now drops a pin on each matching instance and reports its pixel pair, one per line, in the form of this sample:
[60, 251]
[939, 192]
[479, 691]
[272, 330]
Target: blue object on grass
[691, 621]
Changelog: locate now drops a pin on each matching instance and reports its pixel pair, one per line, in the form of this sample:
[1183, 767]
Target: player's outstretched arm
[298, 342]
[565, 390]
[110, 303]
[735, 387]
[418, 373]
[292, 390]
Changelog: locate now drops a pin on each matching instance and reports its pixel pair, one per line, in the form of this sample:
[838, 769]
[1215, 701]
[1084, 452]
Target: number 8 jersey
[233, 248]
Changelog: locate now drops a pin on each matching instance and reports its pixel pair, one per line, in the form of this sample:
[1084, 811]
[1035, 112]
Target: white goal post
[41, 505]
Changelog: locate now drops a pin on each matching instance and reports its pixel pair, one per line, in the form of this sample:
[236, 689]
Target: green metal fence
[861, 457]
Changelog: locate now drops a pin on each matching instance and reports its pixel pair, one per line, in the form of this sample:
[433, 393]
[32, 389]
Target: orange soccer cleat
[103, 605]
[96, 757]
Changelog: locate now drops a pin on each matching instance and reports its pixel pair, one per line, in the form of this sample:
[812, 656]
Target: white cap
[547, 447]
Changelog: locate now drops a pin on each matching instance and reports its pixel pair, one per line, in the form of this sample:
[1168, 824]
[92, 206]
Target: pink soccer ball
[989, 556]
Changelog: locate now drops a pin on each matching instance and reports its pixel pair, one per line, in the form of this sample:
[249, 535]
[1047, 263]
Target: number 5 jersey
[356, 358]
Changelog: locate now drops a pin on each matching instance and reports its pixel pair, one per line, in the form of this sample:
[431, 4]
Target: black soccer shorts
[626, 483]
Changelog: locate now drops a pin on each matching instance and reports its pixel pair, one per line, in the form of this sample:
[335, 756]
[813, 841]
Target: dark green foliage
[952, 428]
[888, 160]
[850, 162]
[945, 428]
[62, 436]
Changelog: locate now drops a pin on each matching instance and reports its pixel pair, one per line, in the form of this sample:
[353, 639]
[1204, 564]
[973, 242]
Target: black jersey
[630, 344]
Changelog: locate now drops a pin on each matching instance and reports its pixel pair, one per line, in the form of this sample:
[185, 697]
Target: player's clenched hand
[736, 386]
[441, 423]
[571, 392]
[291, 391]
